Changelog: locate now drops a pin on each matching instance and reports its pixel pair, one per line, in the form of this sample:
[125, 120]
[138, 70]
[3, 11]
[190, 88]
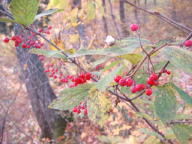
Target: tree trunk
[122, 18]
[104, 18]
[39, 91]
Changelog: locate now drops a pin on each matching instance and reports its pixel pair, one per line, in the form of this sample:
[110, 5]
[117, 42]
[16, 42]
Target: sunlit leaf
[4, 19]
[133, 58]
[24, 11]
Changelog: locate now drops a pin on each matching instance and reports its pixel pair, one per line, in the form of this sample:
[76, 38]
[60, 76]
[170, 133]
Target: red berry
[133, 89]
[134, 27]
[148, 91]
[153, 77]
[64, 80]
[122, 82]
[117, 78]
[168, 72]
[150, 82]
[188, 43]
[129, 82]
[24, 46]
[140, 87]
[88, 76]
[6, 40]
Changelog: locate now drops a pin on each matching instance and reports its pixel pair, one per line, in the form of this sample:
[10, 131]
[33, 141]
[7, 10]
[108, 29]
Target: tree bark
[122, 18]
[39, 90]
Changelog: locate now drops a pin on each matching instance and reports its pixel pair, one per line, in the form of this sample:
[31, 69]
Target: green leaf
[24, 11]
[165, 103]
[133, 58]
[124, 46]
[47, 12]
[180, 58]
[104, 82]
[71, 97]
[183, 95]
[4, 19]
[98, 105]
[182, 132]
[48, 53]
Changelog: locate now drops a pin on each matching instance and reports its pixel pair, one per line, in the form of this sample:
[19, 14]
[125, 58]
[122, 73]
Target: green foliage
[182, 132]
[98, 105]
[104, 82]
[71, 97]
[24, 11]
[4, 19]
[183, 95]
[180, 58]
[47, 12]
[124, 46]
[165, 103]
[47, 53]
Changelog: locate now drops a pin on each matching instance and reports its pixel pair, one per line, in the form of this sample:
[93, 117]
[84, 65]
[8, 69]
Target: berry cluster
[134, 88]
[82, 108]
[53, 72]
[29, 41]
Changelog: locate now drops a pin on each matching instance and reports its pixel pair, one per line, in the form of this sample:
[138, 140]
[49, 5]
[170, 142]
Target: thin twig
[162, 17]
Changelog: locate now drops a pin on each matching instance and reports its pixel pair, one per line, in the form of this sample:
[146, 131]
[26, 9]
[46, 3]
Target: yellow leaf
[60, 4]
[59, 44]
[133, 58]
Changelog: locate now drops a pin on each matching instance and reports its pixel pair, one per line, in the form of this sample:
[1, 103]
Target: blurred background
[84, 23]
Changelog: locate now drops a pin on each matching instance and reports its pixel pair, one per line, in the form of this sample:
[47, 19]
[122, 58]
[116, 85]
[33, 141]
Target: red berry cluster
[53, 72]
[134, 88]
[82, 108]
[46, 30]
[188, 43]
[80, 79]
[21, 40]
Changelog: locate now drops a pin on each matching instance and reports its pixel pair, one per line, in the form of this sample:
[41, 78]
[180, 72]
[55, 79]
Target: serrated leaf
[24, 11]
[104, 82]
[183, 95]
[165, 103]
[47, 12]
[98, 105]
[4, 19]
[180, 58]
[48, 53]
[133, 58]
[182, 132]
[71, 97]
